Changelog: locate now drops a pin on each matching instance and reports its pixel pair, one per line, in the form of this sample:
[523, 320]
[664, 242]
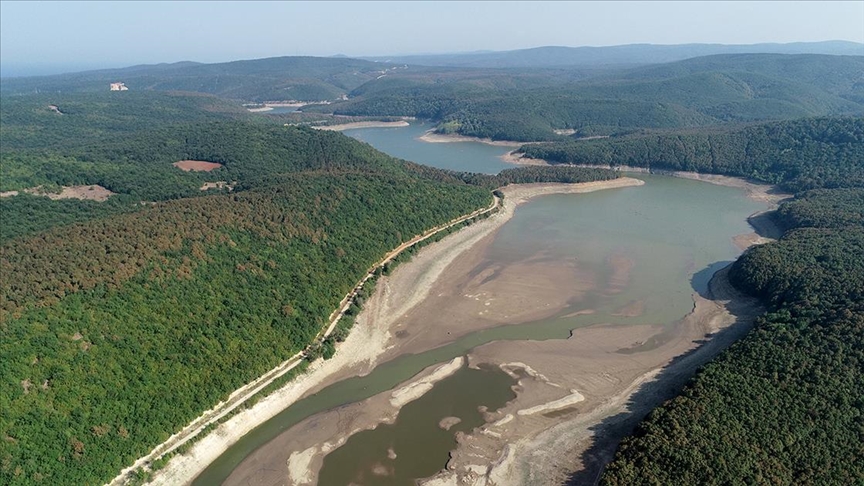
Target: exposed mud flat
[377, 334]
[515, 158]
[315, 437]
[432, 137]
[583, 386]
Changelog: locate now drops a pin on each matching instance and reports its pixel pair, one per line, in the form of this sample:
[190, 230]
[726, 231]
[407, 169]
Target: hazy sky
[51, 36]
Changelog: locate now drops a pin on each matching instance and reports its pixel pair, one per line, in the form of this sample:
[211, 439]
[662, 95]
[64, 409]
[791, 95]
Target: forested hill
[697, 92]
[270, 79]
[797, 155]
[121, 321]
[128, 143]
[120, 331]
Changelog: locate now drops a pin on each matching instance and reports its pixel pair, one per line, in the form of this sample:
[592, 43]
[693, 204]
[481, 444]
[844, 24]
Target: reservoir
[628, 258]
[404, 143]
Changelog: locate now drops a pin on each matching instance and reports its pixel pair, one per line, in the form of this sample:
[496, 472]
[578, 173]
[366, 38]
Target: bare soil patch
[93, 192]
[196, 165]
[218, 185]
[516, 158]
[432, 137]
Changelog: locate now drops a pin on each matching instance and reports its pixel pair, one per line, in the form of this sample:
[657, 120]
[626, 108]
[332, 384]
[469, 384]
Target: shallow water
[671, 233]
[416, 444]
[278, 110]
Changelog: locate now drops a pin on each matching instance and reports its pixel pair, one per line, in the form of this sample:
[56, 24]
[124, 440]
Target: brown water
[673, 233]
[416, 444]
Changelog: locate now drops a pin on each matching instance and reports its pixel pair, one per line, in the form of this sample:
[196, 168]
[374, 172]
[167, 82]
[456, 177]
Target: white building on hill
[119, 87]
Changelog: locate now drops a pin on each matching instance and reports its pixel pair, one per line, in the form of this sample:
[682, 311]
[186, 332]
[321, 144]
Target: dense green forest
[105, 320]
[127, 143]
[785, 405]
[74, 119]
[798, 155]
[691, 93]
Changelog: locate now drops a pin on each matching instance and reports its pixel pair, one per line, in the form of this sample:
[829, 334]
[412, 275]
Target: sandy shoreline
[431, 137]
[371, 337]
[516, 159]
[758, 191]
[365, 124]
[602, 391]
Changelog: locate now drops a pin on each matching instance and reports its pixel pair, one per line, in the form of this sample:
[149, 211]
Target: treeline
[523, 116]
[119, 331]
[821, 208]
[534, 117]
[785, 405]
[796, 155]
[533, 174]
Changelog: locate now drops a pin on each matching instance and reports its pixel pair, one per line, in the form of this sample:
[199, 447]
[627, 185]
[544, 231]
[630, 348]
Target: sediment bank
[365, 124]
[372, 338]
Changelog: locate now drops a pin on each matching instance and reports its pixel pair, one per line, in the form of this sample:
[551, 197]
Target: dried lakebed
[622, 273]
[569, 312]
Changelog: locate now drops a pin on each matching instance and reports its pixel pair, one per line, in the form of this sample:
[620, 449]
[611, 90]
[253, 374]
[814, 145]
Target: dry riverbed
[377, 335]
[571, 391]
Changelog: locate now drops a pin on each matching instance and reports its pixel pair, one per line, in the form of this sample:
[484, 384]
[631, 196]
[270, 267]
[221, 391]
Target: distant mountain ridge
[269, 79]
[628, 54]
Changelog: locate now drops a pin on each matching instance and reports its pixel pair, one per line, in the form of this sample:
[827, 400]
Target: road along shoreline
[365, 344]
[242, 394]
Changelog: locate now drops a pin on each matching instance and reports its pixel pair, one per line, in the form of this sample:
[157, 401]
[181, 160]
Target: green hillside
[798, 155]
[697, 92]
[270, 79]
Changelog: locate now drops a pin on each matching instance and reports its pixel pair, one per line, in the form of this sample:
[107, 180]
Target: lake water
[277, 110]
[403, 142]
[674, 232]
